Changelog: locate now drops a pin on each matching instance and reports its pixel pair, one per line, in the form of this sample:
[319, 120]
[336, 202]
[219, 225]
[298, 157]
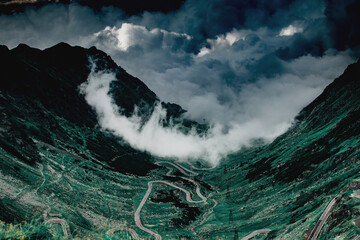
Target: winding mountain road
[186, 172]
[182, 169]
[150, 185]
[133, 233]
[62, 222]
[357, 237]
[199, 169]
[320, 223]
[254, 233]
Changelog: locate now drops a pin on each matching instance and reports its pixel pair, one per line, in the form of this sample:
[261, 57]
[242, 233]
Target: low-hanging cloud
[169, 142]
[247, 69]
[263, 110]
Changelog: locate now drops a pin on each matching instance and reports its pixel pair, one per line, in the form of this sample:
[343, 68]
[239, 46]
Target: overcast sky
[247, 67]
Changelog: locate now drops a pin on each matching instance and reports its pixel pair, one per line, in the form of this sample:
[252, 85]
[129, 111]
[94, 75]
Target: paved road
[322, 220]
[138, 210]
[133, 233]
[62, 222]
[211, 210]
[205, 215]
[254, 233]
[184, 171]
[187, 179]
[199, 169]
[357, 237]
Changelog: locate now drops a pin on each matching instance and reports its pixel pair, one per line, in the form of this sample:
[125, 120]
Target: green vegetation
[32, 230]
[77, 181]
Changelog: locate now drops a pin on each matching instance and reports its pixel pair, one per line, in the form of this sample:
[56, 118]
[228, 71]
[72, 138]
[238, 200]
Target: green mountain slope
[61, 176]
[286, 185]
[55, 159]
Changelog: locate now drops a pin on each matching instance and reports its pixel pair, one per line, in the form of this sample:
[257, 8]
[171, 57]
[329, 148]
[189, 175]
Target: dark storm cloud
[339, 29]
[343, 20]
[54, 23]
[129, 7]
[207, 19]
[329, 24]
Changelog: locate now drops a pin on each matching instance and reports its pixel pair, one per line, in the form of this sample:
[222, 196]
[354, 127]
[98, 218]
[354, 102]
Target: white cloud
[290, 30]
[263, 109]
[128, 35]
[223, 41]
[168, 142]
[237, 82]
